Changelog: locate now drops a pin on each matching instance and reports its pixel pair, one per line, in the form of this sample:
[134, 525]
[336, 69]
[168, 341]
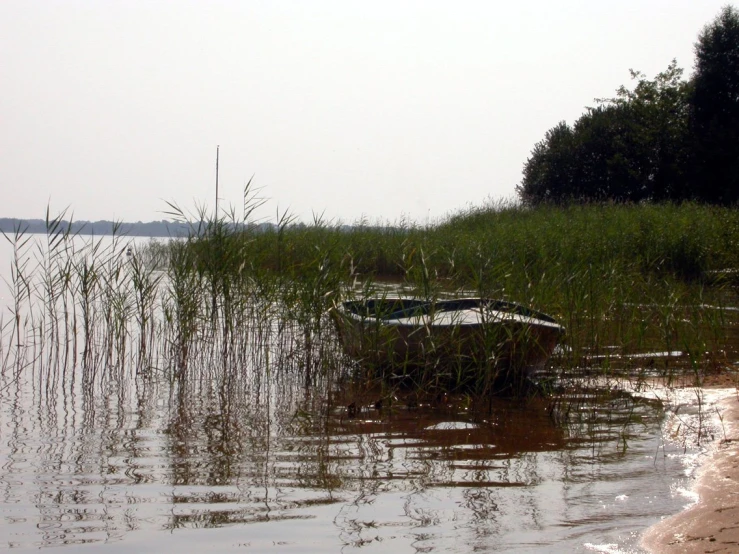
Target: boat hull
[459, 338]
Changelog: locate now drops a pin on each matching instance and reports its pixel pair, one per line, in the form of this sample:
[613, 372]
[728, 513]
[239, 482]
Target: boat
[451, 336]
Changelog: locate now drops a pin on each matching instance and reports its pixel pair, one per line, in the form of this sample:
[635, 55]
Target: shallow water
[244, 457]
[176, 467]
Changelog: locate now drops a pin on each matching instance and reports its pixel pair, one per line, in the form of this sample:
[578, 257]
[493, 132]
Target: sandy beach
[712, 524]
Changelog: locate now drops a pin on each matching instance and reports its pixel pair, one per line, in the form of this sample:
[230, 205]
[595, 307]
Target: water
[256, 462]
[149, 463]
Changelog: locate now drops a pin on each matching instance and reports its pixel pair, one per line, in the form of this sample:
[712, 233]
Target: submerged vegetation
[644, 288]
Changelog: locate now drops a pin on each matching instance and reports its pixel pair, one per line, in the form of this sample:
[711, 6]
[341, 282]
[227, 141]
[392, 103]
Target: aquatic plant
[238, 293]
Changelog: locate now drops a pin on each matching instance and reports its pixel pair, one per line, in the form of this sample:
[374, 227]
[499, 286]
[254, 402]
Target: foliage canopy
[714, 116]
[666, 139]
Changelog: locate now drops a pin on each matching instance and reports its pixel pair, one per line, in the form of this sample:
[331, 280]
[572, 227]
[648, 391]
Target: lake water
[255, 462]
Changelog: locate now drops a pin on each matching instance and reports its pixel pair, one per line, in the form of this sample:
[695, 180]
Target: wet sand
[712, 524]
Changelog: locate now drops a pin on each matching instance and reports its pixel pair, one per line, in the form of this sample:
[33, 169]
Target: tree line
[667, 139]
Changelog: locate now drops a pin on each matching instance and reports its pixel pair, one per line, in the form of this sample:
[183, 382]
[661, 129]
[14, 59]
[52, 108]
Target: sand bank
[712, 524]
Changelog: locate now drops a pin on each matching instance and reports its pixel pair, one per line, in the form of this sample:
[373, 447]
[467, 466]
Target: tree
[548, 173]
[607, 164]
[714, 116]
[629, 148]
[659, 134]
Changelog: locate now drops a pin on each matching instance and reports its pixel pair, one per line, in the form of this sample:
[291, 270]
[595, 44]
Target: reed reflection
[138, 454]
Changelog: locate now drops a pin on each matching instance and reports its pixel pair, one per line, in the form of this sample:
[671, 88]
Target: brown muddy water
[250, 460]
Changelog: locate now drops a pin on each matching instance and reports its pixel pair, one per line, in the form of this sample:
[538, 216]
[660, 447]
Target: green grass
[623, 278]
[234, 296]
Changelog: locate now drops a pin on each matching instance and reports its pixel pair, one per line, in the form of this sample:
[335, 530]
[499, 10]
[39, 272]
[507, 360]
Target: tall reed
[238, 293]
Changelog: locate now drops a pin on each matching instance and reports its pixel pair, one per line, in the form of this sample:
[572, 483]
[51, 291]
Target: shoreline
[711, 524]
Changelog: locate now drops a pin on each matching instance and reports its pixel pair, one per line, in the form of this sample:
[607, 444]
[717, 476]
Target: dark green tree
[657, 139]
[714, 117]
[607, 168]
[549, 174]
[630, 148]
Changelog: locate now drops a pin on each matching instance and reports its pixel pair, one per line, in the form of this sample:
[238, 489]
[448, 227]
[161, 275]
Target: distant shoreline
[99, 228]
[153, 229]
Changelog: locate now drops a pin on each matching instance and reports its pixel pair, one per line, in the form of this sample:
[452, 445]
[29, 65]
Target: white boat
[448, 336]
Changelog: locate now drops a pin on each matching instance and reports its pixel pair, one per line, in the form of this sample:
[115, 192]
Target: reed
[237, 295]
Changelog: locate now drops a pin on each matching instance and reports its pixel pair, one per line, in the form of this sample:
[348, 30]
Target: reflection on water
[273, 467]
[228, 433]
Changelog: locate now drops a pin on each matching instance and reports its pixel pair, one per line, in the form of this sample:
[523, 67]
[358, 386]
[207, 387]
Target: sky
[381, 111]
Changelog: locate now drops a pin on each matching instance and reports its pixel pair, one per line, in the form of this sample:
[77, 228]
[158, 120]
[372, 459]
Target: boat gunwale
[418, 312]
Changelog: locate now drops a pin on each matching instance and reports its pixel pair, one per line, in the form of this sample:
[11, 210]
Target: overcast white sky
[381, 109]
